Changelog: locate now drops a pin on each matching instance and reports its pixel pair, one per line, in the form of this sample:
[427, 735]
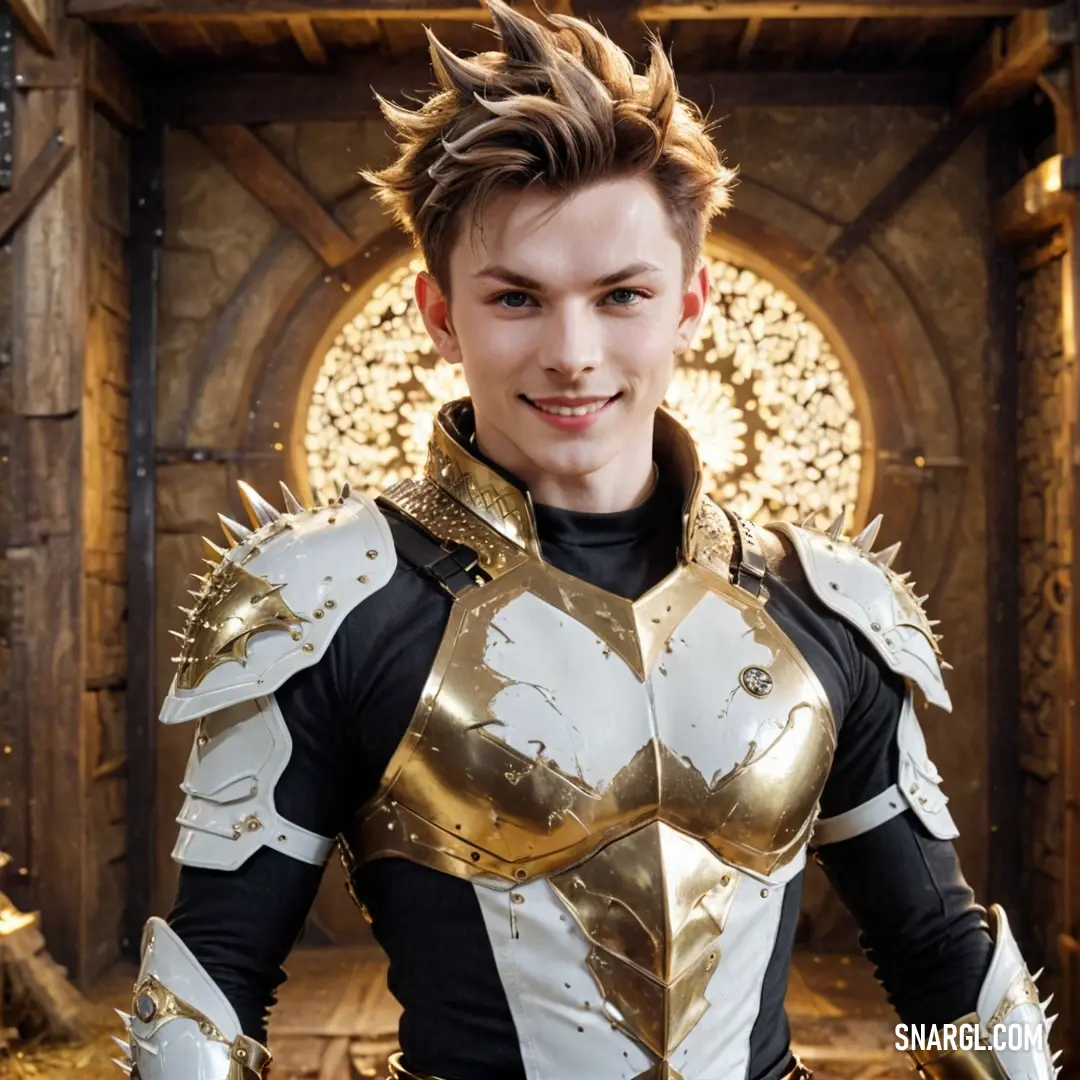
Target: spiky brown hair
[559, 105]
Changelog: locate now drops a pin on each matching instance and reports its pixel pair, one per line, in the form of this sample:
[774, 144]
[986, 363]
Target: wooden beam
[256, 166]
[748, 40]
[82, 62]
[40, 19]
[242, 10]
[39, 176]
[1014, 57]
[1039, 202]
[307, 37]
[919, 168]
[147, 212]
[349, 94]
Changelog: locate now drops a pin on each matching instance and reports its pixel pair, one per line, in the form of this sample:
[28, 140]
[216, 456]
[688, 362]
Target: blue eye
[513, 299]
[626, 297]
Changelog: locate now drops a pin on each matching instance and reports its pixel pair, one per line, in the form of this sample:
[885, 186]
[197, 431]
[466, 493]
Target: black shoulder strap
[748, 560]
[454, 566]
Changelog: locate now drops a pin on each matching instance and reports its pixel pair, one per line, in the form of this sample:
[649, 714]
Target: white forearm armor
[182, 1026]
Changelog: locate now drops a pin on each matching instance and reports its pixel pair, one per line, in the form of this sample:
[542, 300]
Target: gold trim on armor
[508, 509]
[154, 1004]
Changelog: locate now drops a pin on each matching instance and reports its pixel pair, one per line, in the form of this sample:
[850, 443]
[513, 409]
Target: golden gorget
[645, 758]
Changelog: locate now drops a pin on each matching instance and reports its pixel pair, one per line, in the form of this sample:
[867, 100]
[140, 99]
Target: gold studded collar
[506, 505]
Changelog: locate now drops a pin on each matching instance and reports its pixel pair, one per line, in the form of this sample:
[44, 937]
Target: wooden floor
[336, 1021]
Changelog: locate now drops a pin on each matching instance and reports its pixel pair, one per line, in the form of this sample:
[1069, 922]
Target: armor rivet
[521, 874]
[922, 800]
[580, 1028]
[308, 647]
[253, 824]
[756, 681]
[875, 626]
[145, 1008]
[318, 613]
[241, 1054]
[281, 839]
[914, 788]
[330, 604]
[206, 1029]
[331, 519]
[363, 579]
[764, 893]
[296, 635]
[475, 856]
[372, 554]
[202, 740]
[725, 880]
[517, 898]
[833, 585]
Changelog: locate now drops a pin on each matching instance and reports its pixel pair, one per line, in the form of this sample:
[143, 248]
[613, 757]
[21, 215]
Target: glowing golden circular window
[761, 391]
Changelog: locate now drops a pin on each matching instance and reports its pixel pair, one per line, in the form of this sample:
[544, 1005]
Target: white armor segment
[238, 757]
[182, 1026]
[565, 1025]
[1008, 996]
[863, 591]
[917, 789]
[296, 577]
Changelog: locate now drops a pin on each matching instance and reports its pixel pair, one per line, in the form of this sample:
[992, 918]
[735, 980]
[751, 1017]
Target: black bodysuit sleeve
[241, 924]
[918, 919]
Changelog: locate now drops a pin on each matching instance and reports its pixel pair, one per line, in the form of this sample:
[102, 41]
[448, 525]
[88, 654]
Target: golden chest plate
[559, 718]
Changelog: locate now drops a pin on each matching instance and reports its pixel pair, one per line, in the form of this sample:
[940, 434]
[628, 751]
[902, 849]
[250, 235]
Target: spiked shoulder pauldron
[271, 603]
[862, 589]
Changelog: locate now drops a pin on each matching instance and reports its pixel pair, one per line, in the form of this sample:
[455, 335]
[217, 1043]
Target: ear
[693, 308]
[435, 311]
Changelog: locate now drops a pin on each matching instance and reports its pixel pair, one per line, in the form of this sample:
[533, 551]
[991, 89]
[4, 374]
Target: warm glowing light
[761, 391]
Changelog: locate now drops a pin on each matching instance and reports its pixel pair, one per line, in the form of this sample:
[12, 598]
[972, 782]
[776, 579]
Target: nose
[573, 345]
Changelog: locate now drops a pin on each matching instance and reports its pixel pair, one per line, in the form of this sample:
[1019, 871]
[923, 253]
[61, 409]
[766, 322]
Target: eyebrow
[501, 273]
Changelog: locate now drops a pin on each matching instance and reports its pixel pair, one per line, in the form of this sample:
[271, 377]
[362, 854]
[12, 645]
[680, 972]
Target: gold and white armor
[182, 1026]
[1014, 1025]
[629, 786]
[269, 607]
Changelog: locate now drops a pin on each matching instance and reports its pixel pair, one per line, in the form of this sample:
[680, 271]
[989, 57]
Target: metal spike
[920, 600]
[125, 1046]
[1055, 1056]
[197, 595]
[1050, 1021]
[886, 556]
[1035, 977]
[125, 1017]
[933, 622]
[946, 666]
[235, 533]
[836, 529]
[208, 563]
[1044, 1005]
[902, 578]
[865, 540]
[346, 491]
[213, 548]
[189, 612]
[808, 521]
[199, 577]
[182, 637]
[259, 510]
[126, 1066]
[176, 659]
[292, 503]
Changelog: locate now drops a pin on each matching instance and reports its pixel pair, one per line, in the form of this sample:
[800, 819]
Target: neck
[622, 484]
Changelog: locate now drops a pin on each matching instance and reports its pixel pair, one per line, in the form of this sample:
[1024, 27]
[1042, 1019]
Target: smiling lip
[556, 410]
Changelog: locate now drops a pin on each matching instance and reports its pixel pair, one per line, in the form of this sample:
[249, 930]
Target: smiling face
[567, 314]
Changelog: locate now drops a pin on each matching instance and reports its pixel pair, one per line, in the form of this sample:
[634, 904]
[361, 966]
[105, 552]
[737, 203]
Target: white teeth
[572, 410]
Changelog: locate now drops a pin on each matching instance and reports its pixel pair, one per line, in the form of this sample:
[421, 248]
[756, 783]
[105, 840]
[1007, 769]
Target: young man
[572, 723]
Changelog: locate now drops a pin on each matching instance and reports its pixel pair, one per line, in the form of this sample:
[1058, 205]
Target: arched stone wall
[236, 385]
